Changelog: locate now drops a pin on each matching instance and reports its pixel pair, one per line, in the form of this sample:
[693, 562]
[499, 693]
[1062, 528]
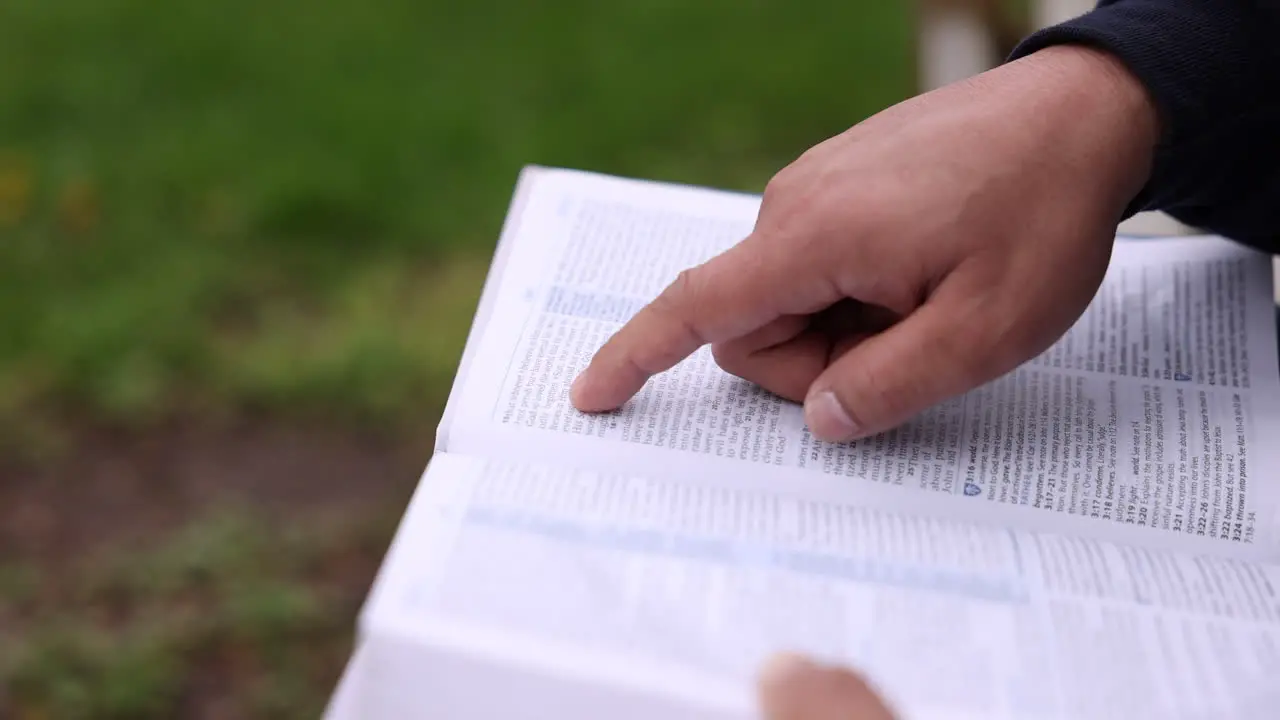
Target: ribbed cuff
[1198, 59]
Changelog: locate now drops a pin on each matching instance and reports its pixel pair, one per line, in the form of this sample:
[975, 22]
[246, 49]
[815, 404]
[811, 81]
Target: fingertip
[784, 668]
[598, 389]
[581, 395]
[575, 392]
[785, 685]
[792, 687]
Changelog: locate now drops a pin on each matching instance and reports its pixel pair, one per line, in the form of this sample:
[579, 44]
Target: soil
[114, 487]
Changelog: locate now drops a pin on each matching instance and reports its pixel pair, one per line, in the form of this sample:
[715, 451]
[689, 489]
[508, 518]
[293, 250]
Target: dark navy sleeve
[1213, 70]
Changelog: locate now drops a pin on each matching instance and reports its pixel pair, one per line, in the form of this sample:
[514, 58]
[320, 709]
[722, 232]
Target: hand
[928, 250]
[792, 688]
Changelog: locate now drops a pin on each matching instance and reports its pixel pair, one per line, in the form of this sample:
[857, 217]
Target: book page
[1148, 422]
[682, 589]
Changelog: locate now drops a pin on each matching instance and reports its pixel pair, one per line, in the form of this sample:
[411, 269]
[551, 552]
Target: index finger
[727, 297]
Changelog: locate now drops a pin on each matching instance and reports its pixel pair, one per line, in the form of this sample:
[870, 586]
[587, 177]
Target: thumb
[944, 348]
[793, 688]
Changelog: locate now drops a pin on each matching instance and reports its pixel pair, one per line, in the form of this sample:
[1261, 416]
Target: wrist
[1097, 115]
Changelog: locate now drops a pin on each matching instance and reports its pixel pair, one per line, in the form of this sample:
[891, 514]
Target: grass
[179, 179]
[286, 207]
[261, 612]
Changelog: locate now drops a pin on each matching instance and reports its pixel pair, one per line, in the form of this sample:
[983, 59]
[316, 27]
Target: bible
[1094, 534]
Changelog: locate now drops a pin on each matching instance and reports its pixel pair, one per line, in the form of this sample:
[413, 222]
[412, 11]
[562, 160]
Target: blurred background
[240, 247]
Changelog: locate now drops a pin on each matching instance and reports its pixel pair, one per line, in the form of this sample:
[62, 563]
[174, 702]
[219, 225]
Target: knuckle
[866, 397]
[894, 395]
[880, 395]
[779, 185]
[681, 294]
[679, 308]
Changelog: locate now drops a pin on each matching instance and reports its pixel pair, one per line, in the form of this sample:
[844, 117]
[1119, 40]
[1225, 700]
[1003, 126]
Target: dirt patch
[193, 570]
[114, 487]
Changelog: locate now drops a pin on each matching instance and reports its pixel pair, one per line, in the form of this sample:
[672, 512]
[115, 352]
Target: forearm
[1212, 68]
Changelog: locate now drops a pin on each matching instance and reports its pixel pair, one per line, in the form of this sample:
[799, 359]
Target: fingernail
[785, 667]
[827, 418]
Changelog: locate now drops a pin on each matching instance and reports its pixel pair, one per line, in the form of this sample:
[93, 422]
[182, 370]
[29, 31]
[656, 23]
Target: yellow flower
[15, 191]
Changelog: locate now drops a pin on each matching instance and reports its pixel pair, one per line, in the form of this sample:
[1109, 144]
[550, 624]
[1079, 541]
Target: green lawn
[286, 208]
[236, 202]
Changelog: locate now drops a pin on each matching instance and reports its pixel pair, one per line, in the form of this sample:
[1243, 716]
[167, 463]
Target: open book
[1093, 535]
